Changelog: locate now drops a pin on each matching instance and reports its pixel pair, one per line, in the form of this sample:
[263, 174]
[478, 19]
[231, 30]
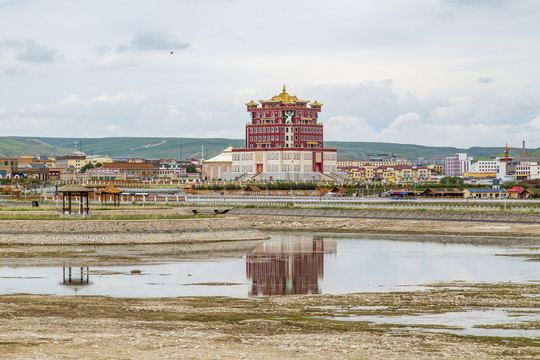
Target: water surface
[288, 264]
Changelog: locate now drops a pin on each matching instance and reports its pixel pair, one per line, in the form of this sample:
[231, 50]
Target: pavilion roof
[74, 189]
[109, 189]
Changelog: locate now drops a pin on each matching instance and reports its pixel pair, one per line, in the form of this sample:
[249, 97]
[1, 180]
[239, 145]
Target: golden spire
[284, 88]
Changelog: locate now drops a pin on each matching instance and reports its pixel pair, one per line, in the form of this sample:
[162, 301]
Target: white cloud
[118, 98]
[153, 40]
[33, 52]
[458, 110]
[347, 128]
[115, 61]
[411, 129]
[113, 129]
[72, 99]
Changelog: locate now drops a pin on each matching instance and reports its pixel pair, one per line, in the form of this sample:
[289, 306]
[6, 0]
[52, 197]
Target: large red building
[284, 141]
[284, 121]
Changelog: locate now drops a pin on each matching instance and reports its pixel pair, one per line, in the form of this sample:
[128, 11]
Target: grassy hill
[191, 147]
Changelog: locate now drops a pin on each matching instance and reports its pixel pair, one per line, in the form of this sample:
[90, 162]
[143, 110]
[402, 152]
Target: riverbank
[126, 232]
[279, 327]
[395, 226]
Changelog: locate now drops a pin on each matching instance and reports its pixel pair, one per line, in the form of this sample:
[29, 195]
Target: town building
[484, 166]
[456, 165]
[528, 170]
[8, 166]
[389, 173]
[212, 169]
[74, 161]
[485, 193]
[123, 171]
[284, 141]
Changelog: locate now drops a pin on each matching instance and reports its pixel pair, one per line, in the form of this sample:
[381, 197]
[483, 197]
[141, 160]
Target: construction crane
[506, 150]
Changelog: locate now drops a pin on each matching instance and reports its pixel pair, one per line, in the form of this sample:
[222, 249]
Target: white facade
[276, 160]
[484, 166]
[529, 169]
[277, 163]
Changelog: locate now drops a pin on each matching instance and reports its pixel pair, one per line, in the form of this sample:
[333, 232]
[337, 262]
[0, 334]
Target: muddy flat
[291, 327]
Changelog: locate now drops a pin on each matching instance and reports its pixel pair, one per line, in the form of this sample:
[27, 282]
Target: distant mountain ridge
[167, 148]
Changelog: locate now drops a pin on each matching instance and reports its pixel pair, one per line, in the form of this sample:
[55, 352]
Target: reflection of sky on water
[471, 322]
[341, 264]
[371, 264]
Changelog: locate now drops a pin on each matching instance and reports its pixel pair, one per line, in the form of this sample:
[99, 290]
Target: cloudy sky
[433, 72]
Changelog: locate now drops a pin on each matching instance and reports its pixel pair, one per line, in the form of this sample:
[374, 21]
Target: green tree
[451, 180]
[86, 167]
[191, 169]
[98, 165]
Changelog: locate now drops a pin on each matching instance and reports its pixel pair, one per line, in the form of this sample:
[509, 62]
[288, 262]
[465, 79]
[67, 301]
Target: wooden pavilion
[74, 191]
[110, 191]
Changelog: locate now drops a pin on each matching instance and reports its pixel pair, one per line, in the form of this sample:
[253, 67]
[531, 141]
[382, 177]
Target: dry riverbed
[292, 327]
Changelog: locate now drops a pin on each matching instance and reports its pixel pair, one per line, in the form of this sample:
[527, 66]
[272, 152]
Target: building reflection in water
[72, 277]
[288, 267]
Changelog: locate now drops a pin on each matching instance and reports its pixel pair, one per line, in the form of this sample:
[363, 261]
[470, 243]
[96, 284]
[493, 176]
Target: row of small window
[288, 156]
[260, 114]
[242, 168]
[276, 138]
[265, 145]
[248, 156]
[264, 130]
[330, 156]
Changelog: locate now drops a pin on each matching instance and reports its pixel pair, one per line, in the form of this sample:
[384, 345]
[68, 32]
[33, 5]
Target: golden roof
[315, 103]
[285, 98]
[252, 103]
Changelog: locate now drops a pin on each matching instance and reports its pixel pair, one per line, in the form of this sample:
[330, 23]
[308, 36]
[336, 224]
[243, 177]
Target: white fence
[329, 202]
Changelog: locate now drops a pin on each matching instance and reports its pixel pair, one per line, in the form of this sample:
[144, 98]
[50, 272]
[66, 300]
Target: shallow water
[288, 264]
[471, 322]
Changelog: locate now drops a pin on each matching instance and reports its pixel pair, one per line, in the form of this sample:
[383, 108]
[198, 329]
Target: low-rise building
[8, 166]
[485, 193]
[212, 169]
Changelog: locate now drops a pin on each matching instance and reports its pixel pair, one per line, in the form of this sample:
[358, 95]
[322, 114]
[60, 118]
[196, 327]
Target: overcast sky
[432, 72]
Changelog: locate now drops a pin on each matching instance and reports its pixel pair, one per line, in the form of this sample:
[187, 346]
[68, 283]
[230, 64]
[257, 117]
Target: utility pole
[181, 148]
